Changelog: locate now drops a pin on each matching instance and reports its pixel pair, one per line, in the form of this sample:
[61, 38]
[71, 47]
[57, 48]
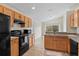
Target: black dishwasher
[74, 48]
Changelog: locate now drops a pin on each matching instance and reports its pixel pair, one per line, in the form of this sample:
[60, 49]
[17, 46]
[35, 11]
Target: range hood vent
[17, 21]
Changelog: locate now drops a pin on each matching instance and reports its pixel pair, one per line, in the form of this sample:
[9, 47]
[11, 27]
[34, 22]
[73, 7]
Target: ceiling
[42, 11]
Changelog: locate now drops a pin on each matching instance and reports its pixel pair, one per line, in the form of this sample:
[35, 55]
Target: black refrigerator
[4, 35]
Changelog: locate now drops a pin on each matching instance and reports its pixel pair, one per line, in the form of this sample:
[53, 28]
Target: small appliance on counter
[27, 31]
[4, 35]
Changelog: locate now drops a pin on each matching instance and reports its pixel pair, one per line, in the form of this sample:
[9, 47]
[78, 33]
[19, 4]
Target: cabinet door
[30, 22]
[53, 43]
[61, 43]
[72, 20]
[14, 47]
[22, 18]
[31, 41]
[75, 18]
[78, 17]
[7, 11]
[48, 42]
[11, 18]
[26, 22]
[1, 9]
[17, 16]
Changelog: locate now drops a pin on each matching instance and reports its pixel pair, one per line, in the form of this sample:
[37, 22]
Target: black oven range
[23, 41]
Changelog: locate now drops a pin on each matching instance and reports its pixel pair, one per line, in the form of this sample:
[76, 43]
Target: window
[52, 29]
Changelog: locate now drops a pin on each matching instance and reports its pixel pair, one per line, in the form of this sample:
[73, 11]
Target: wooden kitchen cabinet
[17, 16]
[31, 42]
[46, 43]
[73, 18]
[76, 18]
[22, 18]
[1, 9]
[62, 43]
[7, 11]
[15, 46]
[49, 42]
[11, 18]
[57, 43]
[30, 22]
[26, 22]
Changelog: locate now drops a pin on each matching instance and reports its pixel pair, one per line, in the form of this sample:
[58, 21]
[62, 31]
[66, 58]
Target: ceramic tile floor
[35, 51]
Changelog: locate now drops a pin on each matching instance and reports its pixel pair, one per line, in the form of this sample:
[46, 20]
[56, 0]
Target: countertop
[13, 37]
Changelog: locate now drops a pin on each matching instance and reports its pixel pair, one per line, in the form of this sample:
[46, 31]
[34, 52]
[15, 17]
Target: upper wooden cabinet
[30, 22]
[17, 15]
[76, 18]
[11, 18]
[7, 11]
[22, 18]
[26, 22]
[1, 9]
[73, 18]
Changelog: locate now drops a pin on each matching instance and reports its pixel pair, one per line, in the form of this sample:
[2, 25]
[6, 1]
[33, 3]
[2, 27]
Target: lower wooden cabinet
[49, 42]
[31, 42]
[58, 43]
[62, 43]
[15, 46]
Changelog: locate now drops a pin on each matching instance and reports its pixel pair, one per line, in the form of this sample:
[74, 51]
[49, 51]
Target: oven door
[24, 40]
[24, 45]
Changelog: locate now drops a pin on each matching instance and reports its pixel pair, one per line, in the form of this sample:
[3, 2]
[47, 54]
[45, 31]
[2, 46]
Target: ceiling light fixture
[33, 8]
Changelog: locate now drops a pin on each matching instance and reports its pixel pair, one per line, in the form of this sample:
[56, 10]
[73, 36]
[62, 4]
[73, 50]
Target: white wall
[38, 34]
[37, 30]
[57, 21]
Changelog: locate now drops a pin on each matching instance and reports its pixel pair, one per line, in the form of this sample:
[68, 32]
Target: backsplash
[16, 27]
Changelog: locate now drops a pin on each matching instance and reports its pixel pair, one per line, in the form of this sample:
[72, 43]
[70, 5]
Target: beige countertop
[13, 37]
